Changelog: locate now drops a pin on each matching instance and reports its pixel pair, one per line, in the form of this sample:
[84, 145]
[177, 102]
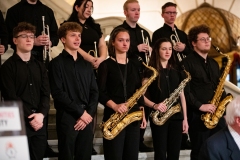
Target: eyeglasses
[25, 36]
[209, 39]
[171, 13]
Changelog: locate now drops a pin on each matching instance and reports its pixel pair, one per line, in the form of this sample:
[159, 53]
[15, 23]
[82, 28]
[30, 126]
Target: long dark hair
[155, 58]
[74, 15]
[113, 35]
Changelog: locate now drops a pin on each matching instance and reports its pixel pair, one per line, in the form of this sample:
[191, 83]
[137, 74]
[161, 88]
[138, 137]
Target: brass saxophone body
[211, 119]
[159, 118]
[117, 122]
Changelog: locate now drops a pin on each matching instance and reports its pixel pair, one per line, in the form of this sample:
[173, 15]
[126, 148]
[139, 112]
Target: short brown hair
[68, 26]
[23, 26]
[194, 31]
[168, 4]
[127, 2]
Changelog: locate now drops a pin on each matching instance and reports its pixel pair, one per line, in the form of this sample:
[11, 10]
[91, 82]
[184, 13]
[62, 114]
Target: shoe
[144, 148]
[94, 152]
[50, 153]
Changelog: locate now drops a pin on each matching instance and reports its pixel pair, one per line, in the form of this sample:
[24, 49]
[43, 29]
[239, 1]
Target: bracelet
[153, 105]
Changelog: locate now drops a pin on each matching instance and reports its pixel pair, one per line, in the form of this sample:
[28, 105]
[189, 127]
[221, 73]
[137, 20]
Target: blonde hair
[127, 2]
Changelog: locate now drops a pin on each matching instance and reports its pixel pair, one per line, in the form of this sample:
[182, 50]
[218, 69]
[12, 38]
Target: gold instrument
[211, 119]
[94, 52]
[159, 118]
[46, 49]
[147, 54]
[117, 122]
[175, 36]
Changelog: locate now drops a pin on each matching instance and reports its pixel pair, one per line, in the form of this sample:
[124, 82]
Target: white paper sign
[14, 148]
[10, 119]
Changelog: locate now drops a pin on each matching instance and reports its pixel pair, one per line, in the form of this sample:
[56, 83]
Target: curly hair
[23, 26]
[194, 31]
[68, 26]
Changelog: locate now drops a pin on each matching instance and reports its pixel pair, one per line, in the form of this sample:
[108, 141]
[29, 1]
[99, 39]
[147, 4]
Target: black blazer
[220, 146]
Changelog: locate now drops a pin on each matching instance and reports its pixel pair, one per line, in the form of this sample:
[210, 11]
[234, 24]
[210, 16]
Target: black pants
[124, 146]
[36, 141]
[198, 136]
[73, 144]
[142, 131]
[167, 140]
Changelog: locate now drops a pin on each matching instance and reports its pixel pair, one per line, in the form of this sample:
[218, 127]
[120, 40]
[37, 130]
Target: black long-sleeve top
[205, 76]
[32, 13]
[136, 39]
[3, 32]
[73, 85]
[27, 82]
[166, 31]
[169, 81]
[111, 85]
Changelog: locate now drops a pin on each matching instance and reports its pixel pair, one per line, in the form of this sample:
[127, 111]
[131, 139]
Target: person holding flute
[32, 11]
[170, 30]
[140, 46]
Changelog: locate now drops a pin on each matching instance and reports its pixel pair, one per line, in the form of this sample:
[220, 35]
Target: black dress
[167, 137]
[126, 144]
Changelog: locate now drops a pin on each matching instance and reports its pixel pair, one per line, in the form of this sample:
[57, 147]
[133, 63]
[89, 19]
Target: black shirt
[136, 39]
[166, 31]
[205, 76]
[32, 13]
[111, 85]
[73, 85]
[90, 35]
[3, 32]
[27, 82]
[169, 81]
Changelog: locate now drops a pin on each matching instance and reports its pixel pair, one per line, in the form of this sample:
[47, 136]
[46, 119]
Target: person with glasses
[182, 46]
[138, 47]
[23, 78]
[205, 74]
[226, 143]
[31, 11]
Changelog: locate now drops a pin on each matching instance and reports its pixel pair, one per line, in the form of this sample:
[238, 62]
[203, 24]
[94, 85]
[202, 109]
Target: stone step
[184, 154]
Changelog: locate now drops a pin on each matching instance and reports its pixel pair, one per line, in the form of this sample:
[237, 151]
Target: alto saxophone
[211, 119]
[159, 118]
[117, 122]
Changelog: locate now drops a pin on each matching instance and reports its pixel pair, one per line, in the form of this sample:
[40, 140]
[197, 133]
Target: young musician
[75, 93]
[24, 78]
[118, 79]
[93, 47]
[169, 13]
[166, 137]
[92, 37]
[31, 11]
[205, 75]
[138, 46]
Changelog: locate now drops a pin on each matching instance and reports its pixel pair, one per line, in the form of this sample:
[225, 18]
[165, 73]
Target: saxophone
[117, 122]
[211, 119]
[159, 118]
